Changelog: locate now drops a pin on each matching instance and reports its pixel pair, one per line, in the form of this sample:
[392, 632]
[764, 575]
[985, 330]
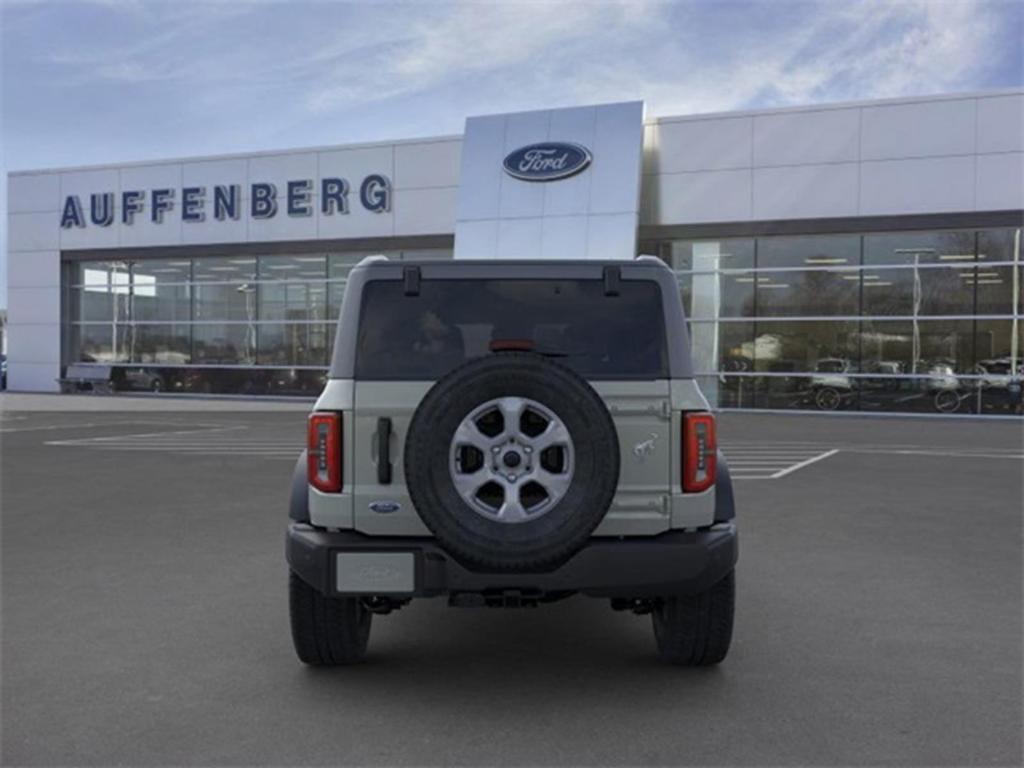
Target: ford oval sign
[547, 162]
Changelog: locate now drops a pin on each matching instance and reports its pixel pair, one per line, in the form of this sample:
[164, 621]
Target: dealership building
[857, 257]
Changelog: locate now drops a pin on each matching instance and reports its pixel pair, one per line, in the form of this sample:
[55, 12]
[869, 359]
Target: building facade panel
[33, 193]
[427, 164]
[1001, 124]
[686, 198]
[37, 304]
[918, 129]
[798, 138]
[713, 144]
[31, 377]
[33, 269]
[32, 232]
[1000, 182]
[426, 211]
[923, 185]
[806, 191]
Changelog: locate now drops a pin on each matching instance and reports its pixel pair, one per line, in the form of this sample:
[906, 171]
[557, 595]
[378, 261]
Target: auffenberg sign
[225, 202]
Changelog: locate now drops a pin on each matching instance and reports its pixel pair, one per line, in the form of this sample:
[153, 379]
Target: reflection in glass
[99, 343]
[233, 344]
[298, 267]
[708, 255]
[805, 346]
[298, 344]
[936, 348]
[806, 293]
[919, 248]
[164, 343]
[808, 251]
[919, 291]
[232, 301]
[292, 301]
[224, 269]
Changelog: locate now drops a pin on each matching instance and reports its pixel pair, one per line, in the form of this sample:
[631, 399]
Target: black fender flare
[725, 502]
[298, 502]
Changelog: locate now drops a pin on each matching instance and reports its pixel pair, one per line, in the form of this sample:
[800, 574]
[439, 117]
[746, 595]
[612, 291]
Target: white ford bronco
[508, 433]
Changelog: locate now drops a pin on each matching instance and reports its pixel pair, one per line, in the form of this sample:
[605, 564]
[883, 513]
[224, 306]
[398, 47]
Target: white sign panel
[552, 184]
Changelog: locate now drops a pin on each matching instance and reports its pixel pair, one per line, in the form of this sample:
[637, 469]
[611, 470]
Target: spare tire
[512, 461]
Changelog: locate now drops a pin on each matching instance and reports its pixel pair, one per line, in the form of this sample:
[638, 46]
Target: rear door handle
[384, 450]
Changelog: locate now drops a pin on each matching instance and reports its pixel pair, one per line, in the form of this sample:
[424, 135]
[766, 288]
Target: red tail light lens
[700, 452]
[323, 444]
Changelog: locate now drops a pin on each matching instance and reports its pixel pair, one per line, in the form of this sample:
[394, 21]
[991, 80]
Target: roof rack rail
[372, 259]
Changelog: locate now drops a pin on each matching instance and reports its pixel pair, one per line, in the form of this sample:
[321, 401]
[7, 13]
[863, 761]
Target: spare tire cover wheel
[512, 461]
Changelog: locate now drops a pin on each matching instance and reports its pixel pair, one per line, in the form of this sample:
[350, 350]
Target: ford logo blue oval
[547, 162]
[385, 507]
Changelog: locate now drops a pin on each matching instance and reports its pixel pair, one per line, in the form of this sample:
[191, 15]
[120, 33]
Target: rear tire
[696, 630]
[326, 631]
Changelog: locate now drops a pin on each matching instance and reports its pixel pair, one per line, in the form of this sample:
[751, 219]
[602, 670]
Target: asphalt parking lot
[145, 620]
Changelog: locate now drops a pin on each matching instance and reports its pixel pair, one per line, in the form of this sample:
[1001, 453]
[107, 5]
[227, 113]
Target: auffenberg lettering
[297, 198]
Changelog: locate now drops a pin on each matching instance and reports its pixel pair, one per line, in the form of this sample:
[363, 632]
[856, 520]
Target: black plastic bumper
[672, 563]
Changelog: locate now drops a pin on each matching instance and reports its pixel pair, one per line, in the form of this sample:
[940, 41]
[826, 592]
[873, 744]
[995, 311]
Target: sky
[102, 81]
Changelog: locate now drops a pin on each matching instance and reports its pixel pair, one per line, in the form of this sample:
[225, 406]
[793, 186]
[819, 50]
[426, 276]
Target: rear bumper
[676, 562]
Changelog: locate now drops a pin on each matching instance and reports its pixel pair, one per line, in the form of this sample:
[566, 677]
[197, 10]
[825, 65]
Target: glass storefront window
[806, 293]
[99, 343]
[709, 255]
[156, 271]
[918, 291]
[233, 344]
[94, 304]
[305, 267]
[101, 276]
[164, 343]
[919, 248]
[219, 301]
[935, 348]
[292, 301]
[808, 251]
[806, 346]
[292, 344]
[215, 269]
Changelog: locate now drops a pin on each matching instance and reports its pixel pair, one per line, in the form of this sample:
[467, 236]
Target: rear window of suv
[422, 337]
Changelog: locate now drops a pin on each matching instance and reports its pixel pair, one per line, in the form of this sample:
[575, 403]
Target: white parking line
[771, 461]
[208, 441]
[805, 463]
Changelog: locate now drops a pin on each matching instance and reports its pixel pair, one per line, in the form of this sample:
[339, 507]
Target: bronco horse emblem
[646, 448]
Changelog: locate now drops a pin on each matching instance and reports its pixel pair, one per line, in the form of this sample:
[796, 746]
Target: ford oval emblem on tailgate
[384, 507]
[548, 161]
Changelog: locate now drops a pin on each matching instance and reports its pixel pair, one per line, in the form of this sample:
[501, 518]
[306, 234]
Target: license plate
[375, 573]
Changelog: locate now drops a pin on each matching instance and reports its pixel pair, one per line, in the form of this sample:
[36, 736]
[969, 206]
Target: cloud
[803, 53]
[462, 41]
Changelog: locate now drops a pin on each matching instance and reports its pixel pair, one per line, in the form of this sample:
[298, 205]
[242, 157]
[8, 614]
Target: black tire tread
[326, 631]
[696, 630]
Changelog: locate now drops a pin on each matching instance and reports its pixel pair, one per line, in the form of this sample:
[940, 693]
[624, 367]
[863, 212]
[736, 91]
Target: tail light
[323, 444]
[700, 452]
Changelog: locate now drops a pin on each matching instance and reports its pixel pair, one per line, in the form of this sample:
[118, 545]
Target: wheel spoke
[512, 511]
[554, 483]
[469, 433]
[468, 485]
[511, 460]
[554, 434]
[511, 411]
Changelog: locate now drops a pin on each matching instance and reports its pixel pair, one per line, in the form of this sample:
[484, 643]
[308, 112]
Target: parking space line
[805, 463]
[210, 440]
[771, 460]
